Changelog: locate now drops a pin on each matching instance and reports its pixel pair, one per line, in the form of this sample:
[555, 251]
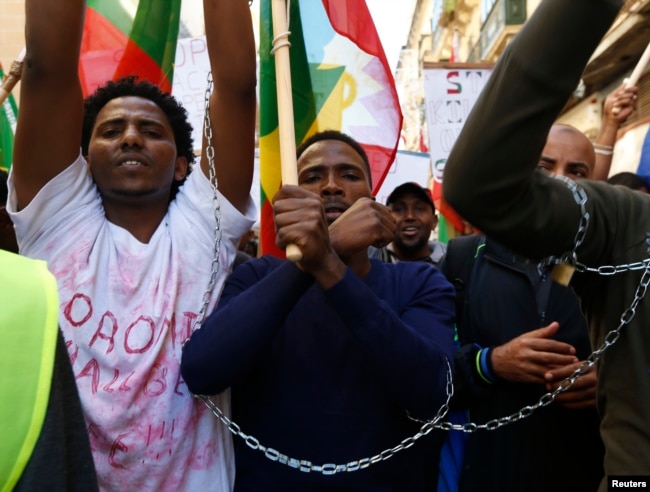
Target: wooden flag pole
[12, 78]
[286, 128]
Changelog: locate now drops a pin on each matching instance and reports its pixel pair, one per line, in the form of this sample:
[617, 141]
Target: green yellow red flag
[117, 42]
[340, 80]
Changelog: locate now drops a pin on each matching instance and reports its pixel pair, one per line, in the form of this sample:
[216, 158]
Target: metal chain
[580, 198]
[216, 206]
[611, 337]
[332, 468]
[547, 398]
[607, 270]
[209, 154]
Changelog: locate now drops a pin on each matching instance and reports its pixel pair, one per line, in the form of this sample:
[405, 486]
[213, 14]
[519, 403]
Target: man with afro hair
[130, 236]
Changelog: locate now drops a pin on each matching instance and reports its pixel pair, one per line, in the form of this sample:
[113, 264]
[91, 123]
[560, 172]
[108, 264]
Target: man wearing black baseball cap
[413, 208]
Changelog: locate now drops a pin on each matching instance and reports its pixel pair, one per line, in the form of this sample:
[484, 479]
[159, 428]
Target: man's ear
[180, 170]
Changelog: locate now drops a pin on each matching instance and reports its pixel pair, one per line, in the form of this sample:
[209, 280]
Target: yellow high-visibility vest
[29, 306]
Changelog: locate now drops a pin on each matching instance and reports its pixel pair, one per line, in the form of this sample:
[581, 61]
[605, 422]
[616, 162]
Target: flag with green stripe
[117, 42]
[340, 80]
[8, 117]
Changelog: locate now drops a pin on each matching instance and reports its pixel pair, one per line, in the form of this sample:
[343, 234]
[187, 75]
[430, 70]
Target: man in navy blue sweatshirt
[333, 359]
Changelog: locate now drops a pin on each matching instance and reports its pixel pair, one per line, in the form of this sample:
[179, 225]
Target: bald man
[515, 324]
[568, 152]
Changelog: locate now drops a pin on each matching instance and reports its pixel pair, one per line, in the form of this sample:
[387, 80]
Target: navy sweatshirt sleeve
[407, 350]
[254, 303]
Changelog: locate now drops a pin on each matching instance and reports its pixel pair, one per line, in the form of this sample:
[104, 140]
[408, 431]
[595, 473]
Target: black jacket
[500, 297]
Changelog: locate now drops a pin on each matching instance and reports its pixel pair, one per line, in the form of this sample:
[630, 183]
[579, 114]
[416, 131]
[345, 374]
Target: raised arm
[48, 132]
[489, 177]
[231, 46]
[619, 105]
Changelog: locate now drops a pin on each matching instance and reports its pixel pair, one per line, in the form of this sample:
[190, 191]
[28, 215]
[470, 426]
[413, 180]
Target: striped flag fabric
[8, 117]
[340, 79]
[117, 42]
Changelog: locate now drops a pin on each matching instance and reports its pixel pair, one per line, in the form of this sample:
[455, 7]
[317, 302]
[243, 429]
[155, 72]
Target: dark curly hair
[631, 180]
[341, 137]
[131, 86]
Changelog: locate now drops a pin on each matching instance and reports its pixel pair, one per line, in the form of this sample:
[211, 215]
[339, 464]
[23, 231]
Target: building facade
[477, 31]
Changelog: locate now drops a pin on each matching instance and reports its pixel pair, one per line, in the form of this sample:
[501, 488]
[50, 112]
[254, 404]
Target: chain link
[546, 399]
[610, 338]
[580, 197]
[607, 270]
[209, 154]
[332, 468]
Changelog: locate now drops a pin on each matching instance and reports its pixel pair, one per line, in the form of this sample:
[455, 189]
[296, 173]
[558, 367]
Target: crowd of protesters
[152, 354]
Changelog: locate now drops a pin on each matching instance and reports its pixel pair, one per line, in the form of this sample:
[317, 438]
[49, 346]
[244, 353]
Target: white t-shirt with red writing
[126, 309]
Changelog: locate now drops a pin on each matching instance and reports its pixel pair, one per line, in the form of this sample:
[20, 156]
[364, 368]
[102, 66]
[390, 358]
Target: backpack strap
[458, 263]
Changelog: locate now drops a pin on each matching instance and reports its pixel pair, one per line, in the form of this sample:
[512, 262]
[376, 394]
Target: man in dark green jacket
[496, 156]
